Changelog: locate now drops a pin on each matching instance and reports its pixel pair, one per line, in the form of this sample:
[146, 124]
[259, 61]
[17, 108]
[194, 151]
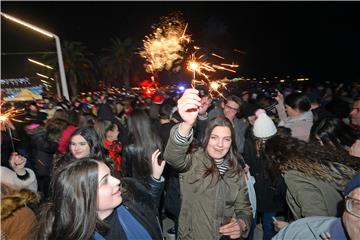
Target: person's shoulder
[306, 228]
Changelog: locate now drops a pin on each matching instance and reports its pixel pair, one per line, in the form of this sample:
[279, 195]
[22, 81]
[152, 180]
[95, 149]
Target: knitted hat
[264, 127]
[354, 183]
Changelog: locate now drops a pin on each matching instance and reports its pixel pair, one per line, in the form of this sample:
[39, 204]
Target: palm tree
[79, 69]
[118, 62]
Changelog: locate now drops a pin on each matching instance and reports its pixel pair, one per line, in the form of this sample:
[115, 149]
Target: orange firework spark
[199, 67]
[218, 56]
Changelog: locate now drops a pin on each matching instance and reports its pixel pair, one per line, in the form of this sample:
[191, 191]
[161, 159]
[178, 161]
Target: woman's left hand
[157, 168]
[232, 229]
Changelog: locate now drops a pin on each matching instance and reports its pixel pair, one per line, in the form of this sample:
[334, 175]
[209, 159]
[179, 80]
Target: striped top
[222, 165]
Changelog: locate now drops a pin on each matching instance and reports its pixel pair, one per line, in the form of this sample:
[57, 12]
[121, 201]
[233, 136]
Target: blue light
[181, 88]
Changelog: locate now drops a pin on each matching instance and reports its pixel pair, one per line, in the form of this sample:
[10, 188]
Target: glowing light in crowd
[162, 49]
[181, 88]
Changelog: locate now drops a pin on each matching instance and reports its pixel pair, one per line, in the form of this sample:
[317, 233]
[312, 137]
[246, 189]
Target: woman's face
[109, 194]
[219, 142]
[79, 147]
[113, 134]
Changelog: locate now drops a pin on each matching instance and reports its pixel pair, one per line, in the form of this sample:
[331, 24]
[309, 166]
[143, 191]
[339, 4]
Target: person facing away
[215, 199]
[87, 202]
[294, 113]
[330, 228]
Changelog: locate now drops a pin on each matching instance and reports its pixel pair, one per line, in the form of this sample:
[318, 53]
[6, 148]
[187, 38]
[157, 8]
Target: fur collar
[17, 199]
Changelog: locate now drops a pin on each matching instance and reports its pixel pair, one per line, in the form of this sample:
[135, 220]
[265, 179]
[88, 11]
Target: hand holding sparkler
[188, 108]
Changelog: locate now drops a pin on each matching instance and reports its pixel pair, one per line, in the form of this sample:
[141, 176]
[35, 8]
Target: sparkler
[202, 68]
[196, 66]
[5, 120]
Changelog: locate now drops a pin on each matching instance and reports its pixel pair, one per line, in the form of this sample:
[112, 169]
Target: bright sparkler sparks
[5, 120]
[162, 49]
[200, 67]
[9, 115]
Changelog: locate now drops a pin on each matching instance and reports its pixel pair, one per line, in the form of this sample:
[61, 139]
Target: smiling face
[109, 194]
[79, 147]
[219, 142]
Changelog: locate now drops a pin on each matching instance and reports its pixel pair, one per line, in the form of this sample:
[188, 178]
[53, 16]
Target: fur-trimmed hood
[333, 172]
[285, 153]
[16, 200]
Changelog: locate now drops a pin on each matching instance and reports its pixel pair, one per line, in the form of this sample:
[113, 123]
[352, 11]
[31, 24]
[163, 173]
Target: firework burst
[162, 49]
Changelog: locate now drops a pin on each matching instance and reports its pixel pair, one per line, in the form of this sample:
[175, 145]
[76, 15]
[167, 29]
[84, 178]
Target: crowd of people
[110, 166]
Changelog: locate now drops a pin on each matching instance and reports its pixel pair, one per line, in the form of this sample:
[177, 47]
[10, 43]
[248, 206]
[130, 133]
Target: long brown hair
[285, 153]
[71, 211]
[236, 162]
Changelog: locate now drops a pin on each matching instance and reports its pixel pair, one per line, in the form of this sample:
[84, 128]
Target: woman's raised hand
[157, 165]
[188, 106]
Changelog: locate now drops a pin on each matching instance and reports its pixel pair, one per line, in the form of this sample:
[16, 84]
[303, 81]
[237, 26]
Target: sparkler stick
[11, 139]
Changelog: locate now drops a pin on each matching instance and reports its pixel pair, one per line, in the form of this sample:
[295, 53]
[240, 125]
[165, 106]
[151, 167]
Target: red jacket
[114, 150]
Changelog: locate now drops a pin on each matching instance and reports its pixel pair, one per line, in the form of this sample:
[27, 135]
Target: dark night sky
[319, 39]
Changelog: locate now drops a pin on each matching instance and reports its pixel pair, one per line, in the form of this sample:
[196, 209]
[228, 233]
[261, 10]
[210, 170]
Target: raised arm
[181, 134]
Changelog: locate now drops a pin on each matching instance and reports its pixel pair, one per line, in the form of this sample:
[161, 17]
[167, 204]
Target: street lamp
[58, 50]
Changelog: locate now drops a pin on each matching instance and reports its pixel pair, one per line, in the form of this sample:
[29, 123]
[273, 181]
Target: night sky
[318, 39]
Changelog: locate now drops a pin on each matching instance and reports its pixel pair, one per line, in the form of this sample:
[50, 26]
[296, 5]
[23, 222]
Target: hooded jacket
[300, 126]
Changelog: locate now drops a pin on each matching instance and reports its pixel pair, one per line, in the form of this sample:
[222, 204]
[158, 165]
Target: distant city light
[42, 75]
[39, 63]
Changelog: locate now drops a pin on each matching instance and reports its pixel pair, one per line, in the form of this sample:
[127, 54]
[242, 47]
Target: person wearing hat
[326, 228]
[269, 199]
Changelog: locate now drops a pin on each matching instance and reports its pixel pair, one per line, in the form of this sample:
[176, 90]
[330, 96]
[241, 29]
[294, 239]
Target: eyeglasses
[355, 109]
[352, 206]
[232, 108]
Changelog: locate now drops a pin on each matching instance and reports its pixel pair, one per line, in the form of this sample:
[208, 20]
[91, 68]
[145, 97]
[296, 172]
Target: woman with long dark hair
[143, 141]
[84, 142]
[215, 198]
[333, 133]
[87, 202]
